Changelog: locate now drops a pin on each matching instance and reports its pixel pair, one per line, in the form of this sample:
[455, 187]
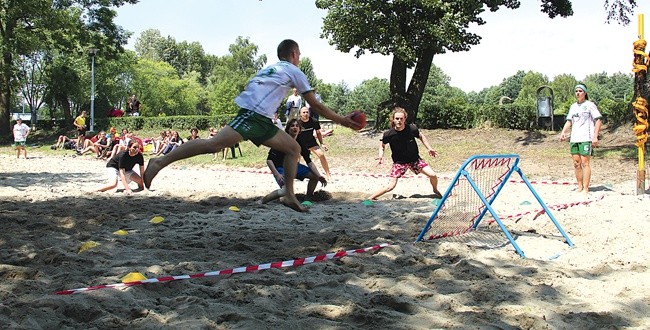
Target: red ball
[359, 117]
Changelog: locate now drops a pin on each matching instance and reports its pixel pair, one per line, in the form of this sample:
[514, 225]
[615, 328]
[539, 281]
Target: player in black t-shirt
[307, 138]
[405, 155]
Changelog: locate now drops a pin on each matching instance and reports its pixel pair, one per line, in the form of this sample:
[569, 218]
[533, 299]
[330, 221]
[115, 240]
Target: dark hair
[194, 129]
[132, 142]
[285, 48]
[290, 122]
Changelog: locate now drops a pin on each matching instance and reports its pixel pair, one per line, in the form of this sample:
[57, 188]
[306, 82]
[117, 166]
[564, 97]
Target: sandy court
[472, 281]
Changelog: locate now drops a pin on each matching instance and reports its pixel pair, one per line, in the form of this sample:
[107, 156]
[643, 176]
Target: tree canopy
[67, 26]
[413, 32]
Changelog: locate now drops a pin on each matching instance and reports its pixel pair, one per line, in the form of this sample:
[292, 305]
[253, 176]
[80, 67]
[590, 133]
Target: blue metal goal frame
[488, 203]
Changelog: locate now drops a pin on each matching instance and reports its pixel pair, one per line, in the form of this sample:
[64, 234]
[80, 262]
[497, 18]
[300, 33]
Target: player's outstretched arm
[328, 113]
[425, 141]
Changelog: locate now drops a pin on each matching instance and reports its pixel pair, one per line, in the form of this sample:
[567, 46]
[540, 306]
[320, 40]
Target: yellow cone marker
[87, 245]
[132, 277]
[156, 220]
[234, 208]
[121, 232]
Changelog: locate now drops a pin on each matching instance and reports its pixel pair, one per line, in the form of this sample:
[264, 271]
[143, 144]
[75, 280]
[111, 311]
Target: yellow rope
[641, 113]
[640, 104]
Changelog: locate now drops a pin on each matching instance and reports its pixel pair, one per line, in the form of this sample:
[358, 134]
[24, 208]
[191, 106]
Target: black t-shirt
[124, 160]
[306, 136]
[402, 143]
[277, 157]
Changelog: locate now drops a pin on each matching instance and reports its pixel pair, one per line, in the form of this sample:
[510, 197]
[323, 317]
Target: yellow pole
[641, 146]
[640, 26]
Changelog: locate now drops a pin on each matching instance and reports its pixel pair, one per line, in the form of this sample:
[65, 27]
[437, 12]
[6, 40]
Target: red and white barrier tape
[375, 175]
[247, 269]
[561, 206]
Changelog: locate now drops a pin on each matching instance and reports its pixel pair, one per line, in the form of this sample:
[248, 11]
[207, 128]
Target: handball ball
[359, 117]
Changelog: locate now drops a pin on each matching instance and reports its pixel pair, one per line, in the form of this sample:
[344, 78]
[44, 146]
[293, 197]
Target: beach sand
[473, 281]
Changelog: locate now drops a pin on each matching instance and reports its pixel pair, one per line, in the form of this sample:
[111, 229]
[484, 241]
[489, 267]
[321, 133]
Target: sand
[47, 213]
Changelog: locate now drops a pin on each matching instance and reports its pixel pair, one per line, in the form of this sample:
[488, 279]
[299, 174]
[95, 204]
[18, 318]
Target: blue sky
[523, 39]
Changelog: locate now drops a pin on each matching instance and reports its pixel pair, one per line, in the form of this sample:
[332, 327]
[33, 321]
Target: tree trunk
[67, 115]
[409, 99]
[418, 83]
[5, 96]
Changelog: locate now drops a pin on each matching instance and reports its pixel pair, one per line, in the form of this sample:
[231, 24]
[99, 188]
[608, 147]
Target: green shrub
[164, 122]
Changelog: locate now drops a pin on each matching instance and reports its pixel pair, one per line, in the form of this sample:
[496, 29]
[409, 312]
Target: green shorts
[253, 126]
[19, 143]
[581, 148]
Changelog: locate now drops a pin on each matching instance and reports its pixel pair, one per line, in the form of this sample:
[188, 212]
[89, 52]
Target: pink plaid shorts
[398, 170]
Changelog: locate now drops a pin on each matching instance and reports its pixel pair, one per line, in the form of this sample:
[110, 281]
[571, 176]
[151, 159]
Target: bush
[164, 122]
[512, 116]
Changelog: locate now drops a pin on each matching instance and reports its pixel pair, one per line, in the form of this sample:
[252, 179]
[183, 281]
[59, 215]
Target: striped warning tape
[376, 175]
[561, 206]
[247, 269]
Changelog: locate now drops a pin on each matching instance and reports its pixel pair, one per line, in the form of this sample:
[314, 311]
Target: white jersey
[20, 132]
[270, 86]
[296, 101]
[583, 117]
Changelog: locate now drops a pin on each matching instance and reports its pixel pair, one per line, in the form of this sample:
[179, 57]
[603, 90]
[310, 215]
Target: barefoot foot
[293, 204]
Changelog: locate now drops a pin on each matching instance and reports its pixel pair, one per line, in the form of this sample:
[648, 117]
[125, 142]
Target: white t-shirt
[296, 101]
[270, 86]
[583, 118]
[20, 132]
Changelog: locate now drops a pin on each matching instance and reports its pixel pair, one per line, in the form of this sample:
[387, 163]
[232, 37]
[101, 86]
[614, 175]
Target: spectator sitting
[111, 133]
[166, 139]
[98, 144]
[64, 142]
[174, 142]
[122, 144]
[194, 134]
[115, 112]
[159, 142]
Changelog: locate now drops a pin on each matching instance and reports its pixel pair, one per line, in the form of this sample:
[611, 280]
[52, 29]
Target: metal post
[92, 53]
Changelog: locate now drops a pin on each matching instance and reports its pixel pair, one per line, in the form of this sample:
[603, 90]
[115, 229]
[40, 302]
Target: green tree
[336, 96]
[368, 96]
[31, 79]
[563, 92]
[113, 80]
[230, 75]
[71, 26]
[413, 32]
[511, 86]
[443, 106]
[162, 92]
[308, 69]
[530, 83]
[149, 45]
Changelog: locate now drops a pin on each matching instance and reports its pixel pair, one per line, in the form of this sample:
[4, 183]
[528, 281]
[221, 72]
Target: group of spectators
[132, 108]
